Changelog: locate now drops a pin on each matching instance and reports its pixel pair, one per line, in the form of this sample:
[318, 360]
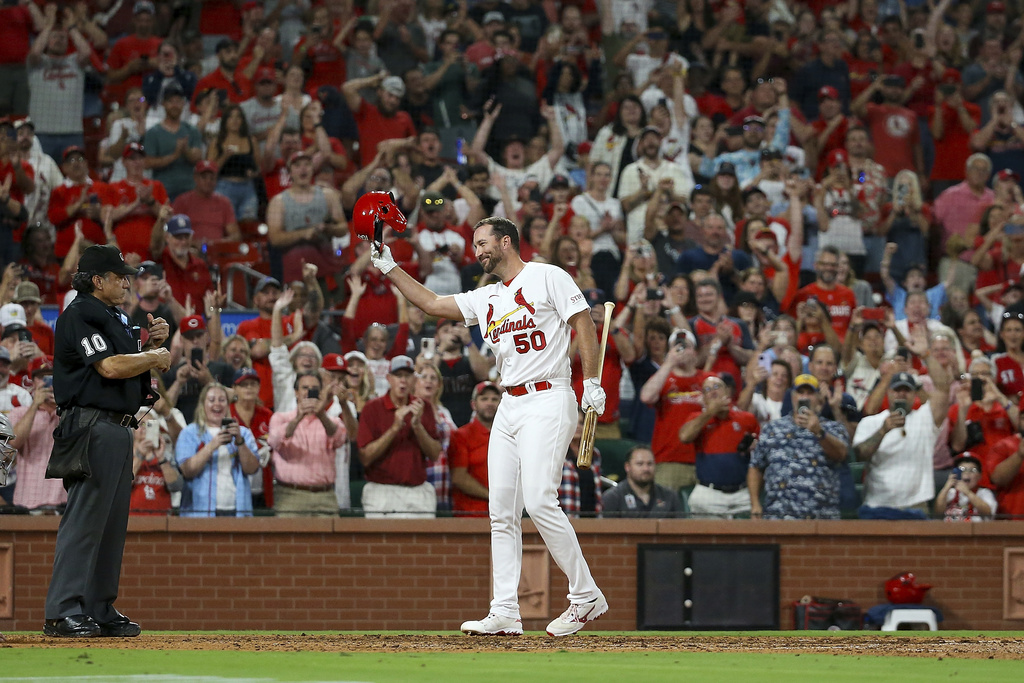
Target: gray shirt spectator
[638, 495]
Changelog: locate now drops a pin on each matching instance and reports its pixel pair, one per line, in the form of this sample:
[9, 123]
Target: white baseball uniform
[525, 322]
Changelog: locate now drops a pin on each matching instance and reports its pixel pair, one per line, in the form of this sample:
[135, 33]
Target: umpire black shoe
[75, 626]
[120, 627]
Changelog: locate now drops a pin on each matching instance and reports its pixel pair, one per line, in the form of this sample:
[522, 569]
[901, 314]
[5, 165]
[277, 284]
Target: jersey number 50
[524, 342]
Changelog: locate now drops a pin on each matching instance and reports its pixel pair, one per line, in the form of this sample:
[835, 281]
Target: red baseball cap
[584, 147]
[301, 154]
[249, 6]
[191, 323]
[205, 166]
[265, 73]
[995, 7]
[836, 157]
[133, 148]
[827, 91]
[334, 362]
[73, 149]
[1008, 174]
[951, 76]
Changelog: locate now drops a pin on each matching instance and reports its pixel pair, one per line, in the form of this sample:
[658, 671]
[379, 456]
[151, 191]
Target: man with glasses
[722, 435]
[797, 460]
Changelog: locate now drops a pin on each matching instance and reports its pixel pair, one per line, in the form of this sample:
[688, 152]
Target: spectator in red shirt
[952, 121]
[257, 332]
[212, 216]
[187, 274]
[222, 79]
[1005, 467]
[76, 201]
[138, 204]
[378, 122]
[893, 127]
[41, 266]
[837, 299]
[830, 127]
[18, 21]
[467, 453]
[620, 350]
[317, 49]
[135, 55]
[26, 294]
[281, 144]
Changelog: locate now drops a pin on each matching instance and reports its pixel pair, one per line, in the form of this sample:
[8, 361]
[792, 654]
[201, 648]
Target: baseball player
[526, 318]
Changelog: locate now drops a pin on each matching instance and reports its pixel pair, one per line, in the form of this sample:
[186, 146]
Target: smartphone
[903, 352]
[745, 443]
[803, 406]
[24, 335]
[428, 345]
[197, 357]
[655, 294]
[227, 422]
[947, 89]
[977, 388]
[873, 314]
[48, 381]
[919, 40]
[900, 408]
[313, 393]
[957, 474]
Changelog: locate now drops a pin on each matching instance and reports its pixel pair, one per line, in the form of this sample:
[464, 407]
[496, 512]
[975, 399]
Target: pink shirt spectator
[210, 215]
[34, 489]
[958, 207]
[307, 457]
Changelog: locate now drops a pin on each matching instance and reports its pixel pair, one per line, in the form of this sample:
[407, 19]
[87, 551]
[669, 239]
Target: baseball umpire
[101, 379]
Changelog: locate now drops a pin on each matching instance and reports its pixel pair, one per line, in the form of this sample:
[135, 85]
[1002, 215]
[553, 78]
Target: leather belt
[523, 389]
[724, 489]
[310, 489]
[120, 419]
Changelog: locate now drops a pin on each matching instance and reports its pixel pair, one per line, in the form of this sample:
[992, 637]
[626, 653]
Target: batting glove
[382, 259]
[593, 395]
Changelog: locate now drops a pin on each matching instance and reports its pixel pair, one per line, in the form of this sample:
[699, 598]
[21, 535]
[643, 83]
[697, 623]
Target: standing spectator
[187, 380]
[1002, 138]
[33, 438]
[186, 273]
[237, 158]
[211, 214]
[17, 178]
[56, 82]
[18, 21]
[361, 59]
[303, 442]
[650, 172]
[303, 359]
[796, 461]
[133, 56]
[222, 79]
[137, 203]
[429, 389]
[26, 295]
[959, 207]
[216, 456]
[604, 216]
[614, 142]
[154, 468]
[462, 366]
[839, 212]
[893, 127]
[76, 202]
[401, 42]
[248, 412]
[639, 495]
[262, 110]
[446, 246]
[381, 121]
[168, 70]
[724, 344]
[317, 51]
[746, 161]
[715, 255]
[153, 295]
[127, 128]
[837, 299]
[257, 332]
[719, 433]
[899, 443]
[467, 453]
[830, 127]
[828, 69]
[47, 174]
[173, 146]
[994, 69]
[397, 434]
[952, 122]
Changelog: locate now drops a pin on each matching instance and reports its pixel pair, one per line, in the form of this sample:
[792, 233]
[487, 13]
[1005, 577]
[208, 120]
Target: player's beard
[494, 259]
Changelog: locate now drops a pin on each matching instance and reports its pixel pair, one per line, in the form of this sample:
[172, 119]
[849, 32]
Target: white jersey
[525, 322]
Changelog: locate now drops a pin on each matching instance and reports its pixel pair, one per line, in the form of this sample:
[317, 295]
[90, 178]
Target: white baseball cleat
[574, 618]
[494, 625]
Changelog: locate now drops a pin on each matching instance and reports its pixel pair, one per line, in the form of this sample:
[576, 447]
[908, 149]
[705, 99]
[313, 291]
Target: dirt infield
[957, 647]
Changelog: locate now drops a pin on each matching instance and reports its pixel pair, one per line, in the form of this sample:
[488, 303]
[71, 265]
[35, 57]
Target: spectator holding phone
[981, 414]
[34, 423]
[797, 460]
[899, 444]
[186, 380]
[962, 499]
[304, 442]
[216, 457]
[286, 365]
[154, 467]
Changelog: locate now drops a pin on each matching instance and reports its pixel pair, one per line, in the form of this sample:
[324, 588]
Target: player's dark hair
[81, 282]
[314, 375]
[634, 449]
[502, 227]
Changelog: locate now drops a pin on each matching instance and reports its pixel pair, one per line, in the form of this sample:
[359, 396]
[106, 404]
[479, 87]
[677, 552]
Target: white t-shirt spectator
[900, 471]
[56, 88]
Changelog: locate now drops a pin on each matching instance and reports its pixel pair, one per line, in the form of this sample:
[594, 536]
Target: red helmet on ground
[903, 589]
[372, 212]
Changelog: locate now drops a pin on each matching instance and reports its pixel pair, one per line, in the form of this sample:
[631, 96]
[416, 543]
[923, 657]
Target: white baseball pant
[529, 440]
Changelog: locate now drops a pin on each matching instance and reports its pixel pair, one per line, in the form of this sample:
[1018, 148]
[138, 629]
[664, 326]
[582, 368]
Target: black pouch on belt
[70, 456]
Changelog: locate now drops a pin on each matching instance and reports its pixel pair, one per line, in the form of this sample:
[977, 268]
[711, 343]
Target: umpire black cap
[104, 258]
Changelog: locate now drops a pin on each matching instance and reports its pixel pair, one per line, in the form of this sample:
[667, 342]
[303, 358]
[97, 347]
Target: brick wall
[357, 574]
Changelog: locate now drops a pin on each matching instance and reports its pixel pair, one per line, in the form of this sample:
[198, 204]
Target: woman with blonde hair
[216, 456]
[906, 221]
[429, 387]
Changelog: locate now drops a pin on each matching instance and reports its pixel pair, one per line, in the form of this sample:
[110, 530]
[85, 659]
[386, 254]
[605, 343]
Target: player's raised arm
[420, 297]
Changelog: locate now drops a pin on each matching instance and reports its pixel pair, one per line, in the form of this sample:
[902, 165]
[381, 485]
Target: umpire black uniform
[101, 379]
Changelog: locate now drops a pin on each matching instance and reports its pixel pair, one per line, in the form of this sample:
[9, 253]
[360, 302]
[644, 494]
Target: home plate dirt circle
[960, 647]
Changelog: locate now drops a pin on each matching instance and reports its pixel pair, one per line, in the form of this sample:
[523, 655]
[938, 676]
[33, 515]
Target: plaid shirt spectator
[438, 472]
[576, 495]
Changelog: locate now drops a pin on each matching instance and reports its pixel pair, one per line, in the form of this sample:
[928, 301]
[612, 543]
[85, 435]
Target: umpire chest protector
[86, 332]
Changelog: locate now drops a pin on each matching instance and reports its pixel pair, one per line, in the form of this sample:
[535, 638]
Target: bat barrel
[586, 454]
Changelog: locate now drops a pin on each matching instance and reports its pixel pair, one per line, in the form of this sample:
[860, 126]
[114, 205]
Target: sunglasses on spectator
[753, 126]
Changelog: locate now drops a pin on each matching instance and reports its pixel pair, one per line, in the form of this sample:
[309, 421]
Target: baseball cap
[264, 283]
[400, 363]
[104, 258]
[150, 269]
[133, 148]
[393, 85]
[679, 335]
[500, 54]
[1008, 174]
[950, 76]
[903, 380]
[24, 121]
[144, 6]
[584, 147]
[40, 365]
[355, 355]
[827, 92]
[432, 201]
[494, 16]
[27, 291]
[301, 154]
[172, 89]
[334, 362]
[836, 157]
[191, 323]
[179, 224]
[757, 120]
[742, 298]
[678, 205]
[968, 457]
[805, 380]
[71, 151]
[265, 74]
[726, 168]
[224, 44]
[1015, 226]
[484, 386]
[559, 181]
[995, 7]
[13, 314]
[594, 297]
[245, 374]
[649, 129]
[205, 166]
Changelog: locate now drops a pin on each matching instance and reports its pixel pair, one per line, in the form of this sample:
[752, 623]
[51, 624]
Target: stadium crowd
[809, 217]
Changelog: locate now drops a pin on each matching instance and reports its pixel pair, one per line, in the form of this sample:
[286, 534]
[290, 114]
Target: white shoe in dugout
[494, 625]
[574, 618]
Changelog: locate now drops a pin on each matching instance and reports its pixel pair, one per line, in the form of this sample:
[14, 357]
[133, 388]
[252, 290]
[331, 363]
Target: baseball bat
[586, 454]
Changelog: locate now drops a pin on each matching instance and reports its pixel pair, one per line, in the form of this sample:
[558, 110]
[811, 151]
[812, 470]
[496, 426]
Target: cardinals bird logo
[521, 300]
[490, 315]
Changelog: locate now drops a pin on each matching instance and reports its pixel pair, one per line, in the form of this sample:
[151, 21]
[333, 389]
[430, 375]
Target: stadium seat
[613, 456]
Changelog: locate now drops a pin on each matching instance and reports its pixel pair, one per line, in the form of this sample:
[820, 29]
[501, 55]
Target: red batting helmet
[903, 589]
[372, 212]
